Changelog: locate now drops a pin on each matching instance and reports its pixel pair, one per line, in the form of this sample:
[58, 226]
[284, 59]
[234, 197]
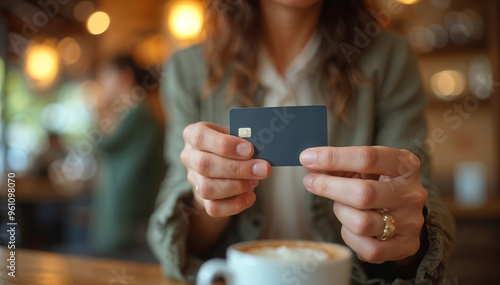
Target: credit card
[280, 134]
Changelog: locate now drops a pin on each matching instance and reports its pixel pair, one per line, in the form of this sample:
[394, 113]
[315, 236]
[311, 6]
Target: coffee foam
[292, 251]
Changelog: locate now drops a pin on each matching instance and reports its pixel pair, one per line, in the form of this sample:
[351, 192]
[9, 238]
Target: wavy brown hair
[233, 34]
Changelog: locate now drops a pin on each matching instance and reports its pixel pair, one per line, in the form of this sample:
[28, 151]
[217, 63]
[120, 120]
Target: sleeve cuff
[432, 266]
[167, 235]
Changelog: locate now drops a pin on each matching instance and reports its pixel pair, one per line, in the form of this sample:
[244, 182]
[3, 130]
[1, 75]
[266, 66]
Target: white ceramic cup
[244, 268]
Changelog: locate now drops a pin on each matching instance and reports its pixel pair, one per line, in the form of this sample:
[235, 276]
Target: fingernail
[308, 180]
[259, 169]
[308, 157]
[249, 199]
[244, 149]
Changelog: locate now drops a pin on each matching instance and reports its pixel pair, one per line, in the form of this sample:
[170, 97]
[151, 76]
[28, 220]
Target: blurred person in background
[54, 151]
[131, 164]
[301, 52]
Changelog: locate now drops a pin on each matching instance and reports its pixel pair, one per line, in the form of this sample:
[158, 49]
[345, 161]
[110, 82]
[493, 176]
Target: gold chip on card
[245, 132]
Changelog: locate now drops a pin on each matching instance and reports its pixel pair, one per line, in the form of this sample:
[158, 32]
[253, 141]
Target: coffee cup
[279, 262]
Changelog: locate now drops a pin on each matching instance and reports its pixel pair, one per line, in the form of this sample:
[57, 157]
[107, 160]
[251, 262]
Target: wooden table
[44, 268]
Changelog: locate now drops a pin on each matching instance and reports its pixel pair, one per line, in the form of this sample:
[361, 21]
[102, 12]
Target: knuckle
[251, 184]
[406, 153]
[320, 186]
[421, 221]
[206, 191]
[198, 136]
[373, 254]
[415, 160]
[424, 195]
[330, 157]
[362, 225]
[235, 169]
[412, 161]
[212, 209]
[184, 156]
[243, 186]
[336, 209]
[368, 157]
[224, 147]
[203, 165]
[224, 183]
[416, 223]
[418, 198]
[343, 233]
[238, 207]
[366, 194]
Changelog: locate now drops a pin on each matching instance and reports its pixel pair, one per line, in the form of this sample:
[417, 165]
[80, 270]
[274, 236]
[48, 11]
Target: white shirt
[284, 194]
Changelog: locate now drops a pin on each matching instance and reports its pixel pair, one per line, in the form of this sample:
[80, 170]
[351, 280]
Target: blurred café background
[66, 155]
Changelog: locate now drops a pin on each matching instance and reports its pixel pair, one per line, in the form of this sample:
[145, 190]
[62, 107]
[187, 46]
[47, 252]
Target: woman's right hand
[220, 167]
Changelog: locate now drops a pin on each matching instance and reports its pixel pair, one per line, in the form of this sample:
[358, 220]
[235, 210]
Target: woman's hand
[362, 180]
[221, 169]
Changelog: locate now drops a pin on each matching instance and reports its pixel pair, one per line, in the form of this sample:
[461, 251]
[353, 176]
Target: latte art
[281, 262]
[290, 253]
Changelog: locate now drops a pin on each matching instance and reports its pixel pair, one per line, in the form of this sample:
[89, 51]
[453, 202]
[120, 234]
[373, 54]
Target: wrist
[203, 225]
[408, 267]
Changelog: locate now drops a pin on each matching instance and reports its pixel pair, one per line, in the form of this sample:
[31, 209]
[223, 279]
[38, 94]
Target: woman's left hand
[362, 180]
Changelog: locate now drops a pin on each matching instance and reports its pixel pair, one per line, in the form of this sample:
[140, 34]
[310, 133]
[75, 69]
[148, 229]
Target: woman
[300, 52]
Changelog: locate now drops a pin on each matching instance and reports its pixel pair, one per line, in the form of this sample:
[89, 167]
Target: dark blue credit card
[280, 134]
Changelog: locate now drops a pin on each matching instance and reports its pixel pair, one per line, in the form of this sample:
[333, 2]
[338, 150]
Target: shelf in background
[490, 211]
[434, 103]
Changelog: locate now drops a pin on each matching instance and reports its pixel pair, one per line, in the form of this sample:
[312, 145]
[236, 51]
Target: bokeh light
[408, 2]
[19, 160]
[54, 117]
[481, 82]
[459, 34]
[42, 64]
[448, 84]
[462, 26]
[73, 111]
[90, 91]
[477, 31]
[419, 38]
[185, 19]
[98, 23]
[437, 36]
[21, 135]
[69, 50]
[151, 50]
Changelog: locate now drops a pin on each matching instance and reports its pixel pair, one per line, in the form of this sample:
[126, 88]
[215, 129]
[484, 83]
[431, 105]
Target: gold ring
[389, 225]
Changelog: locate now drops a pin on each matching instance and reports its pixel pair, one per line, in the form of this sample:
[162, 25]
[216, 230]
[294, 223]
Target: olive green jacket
[388, 111]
